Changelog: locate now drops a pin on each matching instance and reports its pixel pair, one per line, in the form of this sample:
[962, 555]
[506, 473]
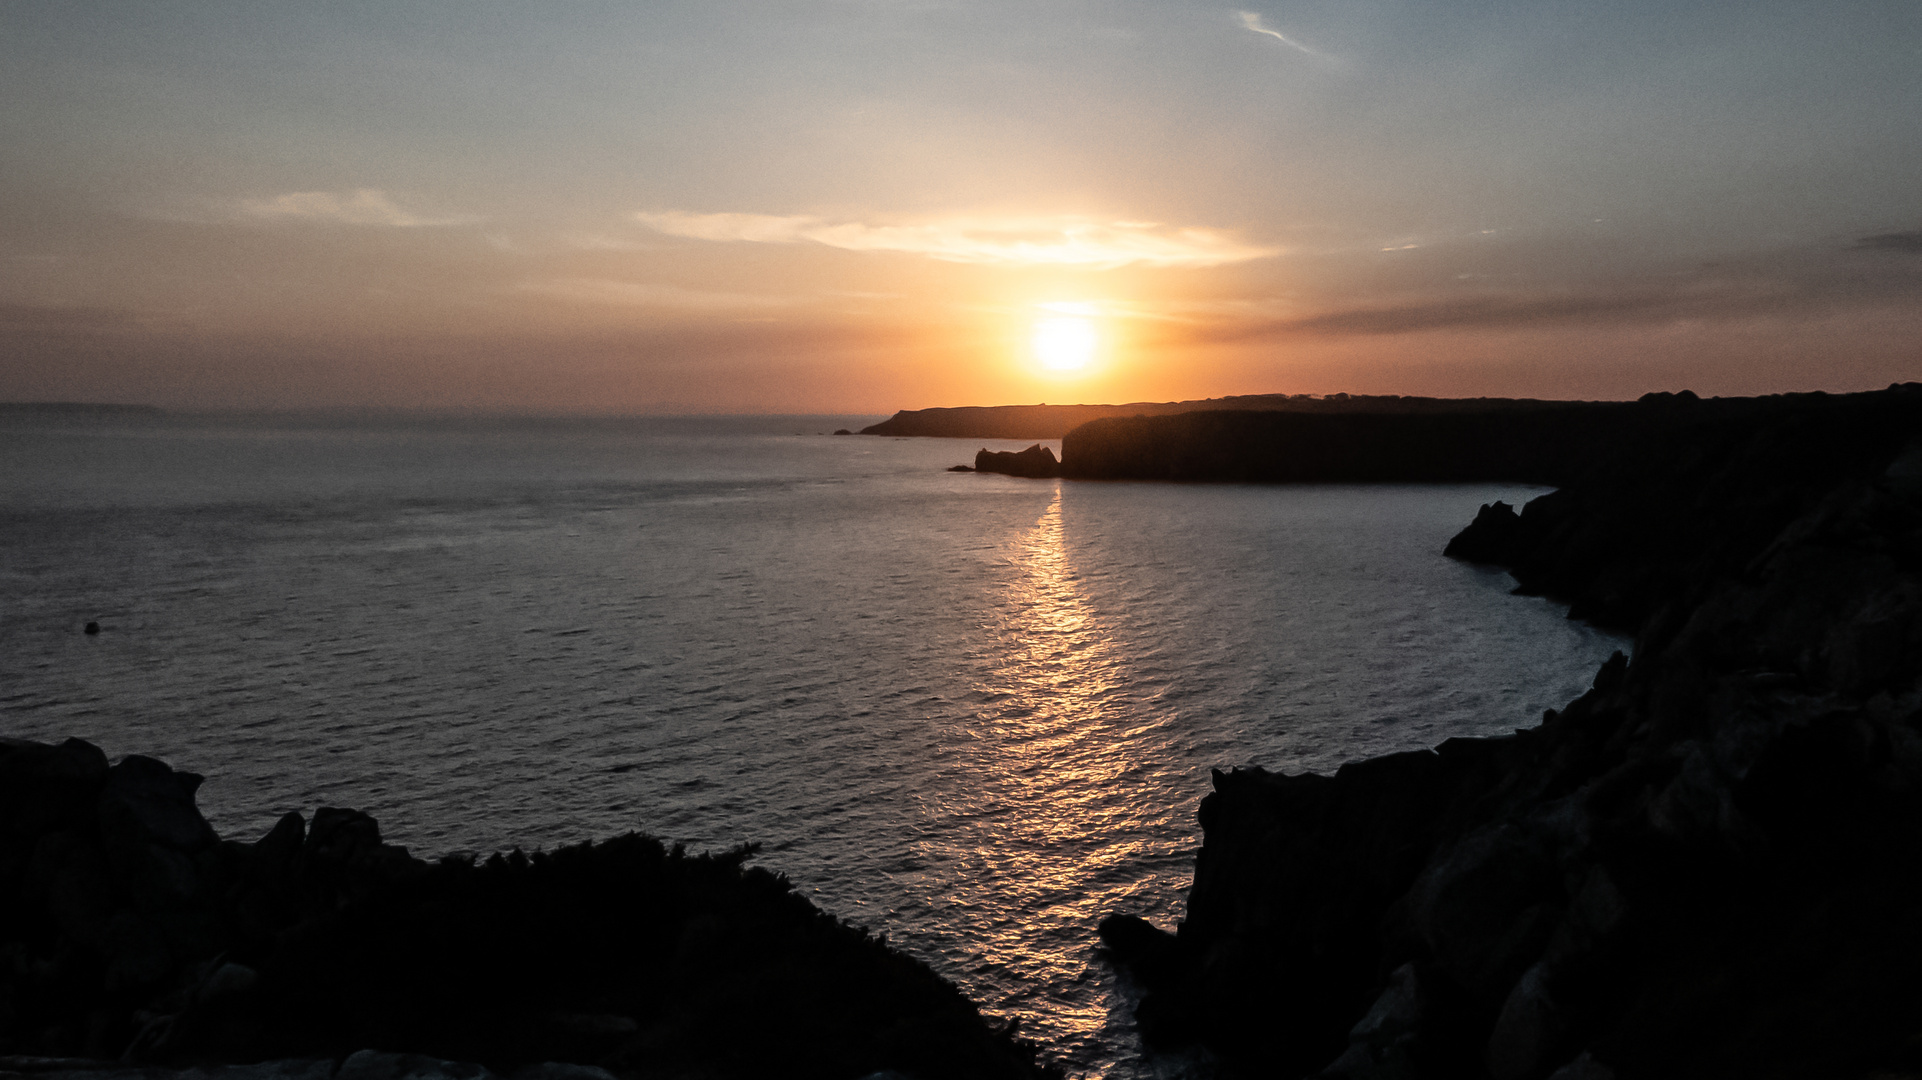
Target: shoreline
[1743, 552]
[1705, 866]
[139, 935]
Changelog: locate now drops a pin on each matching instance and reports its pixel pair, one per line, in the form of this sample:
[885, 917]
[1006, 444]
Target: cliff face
[1709, 865]
[1542, 445]
[1556, 443]
[128, 929]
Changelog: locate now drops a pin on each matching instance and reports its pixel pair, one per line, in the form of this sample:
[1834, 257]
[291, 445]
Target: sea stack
[1036, 462]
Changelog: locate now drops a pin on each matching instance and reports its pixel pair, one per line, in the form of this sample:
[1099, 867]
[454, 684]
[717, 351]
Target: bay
[974, 712]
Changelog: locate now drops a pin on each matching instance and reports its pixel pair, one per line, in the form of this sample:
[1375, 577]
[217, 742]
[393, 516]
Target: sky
[867, 205]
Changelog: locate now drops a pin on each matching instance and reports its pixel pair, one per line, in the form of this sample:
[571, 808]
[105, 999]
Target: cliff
[1054, 421]
[1709, 865]
[1554, 443]
[129, 930]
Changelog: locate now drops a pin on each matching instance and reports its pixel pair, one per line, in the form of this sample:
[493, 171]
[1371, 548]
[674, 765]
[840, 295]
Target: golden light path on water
[1043, 753]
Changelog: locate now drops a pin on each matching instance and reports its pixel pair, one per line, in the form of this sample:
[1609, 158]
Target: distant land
[16, 408]
[1054, 421]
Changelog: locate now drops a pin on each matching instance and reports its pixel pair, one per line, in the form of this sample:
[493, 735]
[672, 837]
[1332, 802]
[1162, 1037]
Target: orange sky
[864, 205]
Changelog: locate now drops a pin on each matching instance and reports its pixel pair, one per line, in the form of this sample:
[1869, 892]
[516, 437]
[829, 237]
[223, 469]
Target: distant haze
[865, 205]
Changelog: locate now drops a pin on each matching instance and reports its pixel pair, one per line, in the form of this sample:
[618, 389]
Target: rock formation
[1710, 865]
[128, 929]
[1036, 462]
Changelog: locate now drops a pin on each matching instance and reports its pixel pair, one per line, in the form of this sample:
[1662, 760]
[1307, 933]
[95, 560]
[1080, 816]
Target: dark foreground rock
[1037, 462]
[129, 930]
[1710, 865]
[360, 1065]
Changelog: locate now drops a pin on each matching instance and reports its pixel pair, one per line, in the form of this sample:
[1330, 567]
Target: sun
[1064, 343]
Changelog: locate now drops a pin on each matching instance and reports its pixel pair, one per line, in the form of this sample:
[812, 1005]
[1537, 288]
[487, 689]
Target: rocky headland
[1710, 865]
[133, 937]
[1054, 421]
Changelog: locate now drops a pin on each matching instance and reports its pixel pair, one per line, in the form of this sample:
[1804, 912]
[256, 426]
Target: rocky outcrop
[1036, 462]
[129, 930]
[1708, 865]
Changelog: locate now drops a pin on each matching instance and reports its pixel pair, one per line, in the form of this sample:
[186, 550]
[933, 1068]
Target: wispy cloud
[1252, 21]
[37, 320]
[1894, 241]
[363, 206]
[648, 294]
[1060, 241]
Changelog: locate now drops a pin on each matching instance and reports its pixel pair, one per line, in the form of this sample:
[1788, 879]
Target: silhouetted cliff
[1054, 421]
[1708, 866]
[129, 929]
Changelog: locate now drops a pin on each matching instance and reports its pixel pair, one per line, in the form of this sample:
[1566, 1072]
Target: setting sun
[1064, 342]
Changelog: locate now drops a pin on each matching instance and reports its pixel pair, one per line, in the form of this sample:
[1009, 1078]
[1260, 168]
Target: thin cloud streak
[1525, 312]
[364, 206]
[1062, 241]
[1895, 241]
[1252, 21]
[645, 294]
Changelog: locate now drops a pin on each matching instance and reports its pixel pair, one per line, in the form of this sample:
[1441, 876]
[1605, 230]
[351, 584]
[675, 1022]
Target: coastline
[1708, 865]
[138, 935]
[1644, 542]
[1044, 421]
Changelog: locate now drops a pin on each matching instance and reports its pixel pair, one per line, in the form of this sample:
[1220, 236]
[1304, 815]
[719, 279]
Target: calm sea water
[974, 712]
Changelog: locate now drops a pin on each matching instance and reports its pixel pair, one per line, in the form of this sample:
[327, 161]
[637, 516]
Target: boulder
[45, 787]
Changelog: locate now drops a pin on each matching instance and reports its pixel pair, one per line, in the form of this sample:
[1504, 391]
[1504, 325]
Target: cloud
[1252, 21]
[364, 206]
[1059, 241]
[1894, 241]
[1705, 300]
[44, 320]
[644, 294]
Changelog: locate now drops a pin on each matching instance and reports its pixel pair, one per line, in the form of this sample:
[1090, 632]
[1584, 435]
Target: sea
[973, 712]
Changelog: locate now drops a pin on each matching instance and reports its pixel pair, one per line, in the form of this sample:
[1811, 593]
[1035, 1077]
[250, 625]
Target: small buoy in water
[93, 628]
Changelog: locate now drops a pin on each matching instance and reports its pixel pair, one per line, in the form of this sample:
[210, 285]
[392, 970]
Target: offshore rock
[1037, 462]
[1707, 866]
[130, 931]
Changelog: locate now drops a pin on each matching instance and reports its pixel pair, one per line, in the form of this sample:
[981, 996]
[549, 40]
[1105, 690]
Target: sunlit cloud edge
[1057, 241]
[1252, 21]
[362, 206]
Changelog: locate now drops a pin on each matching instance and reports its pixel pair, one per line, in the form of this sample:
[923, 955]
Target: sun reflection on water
[1046, 758]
